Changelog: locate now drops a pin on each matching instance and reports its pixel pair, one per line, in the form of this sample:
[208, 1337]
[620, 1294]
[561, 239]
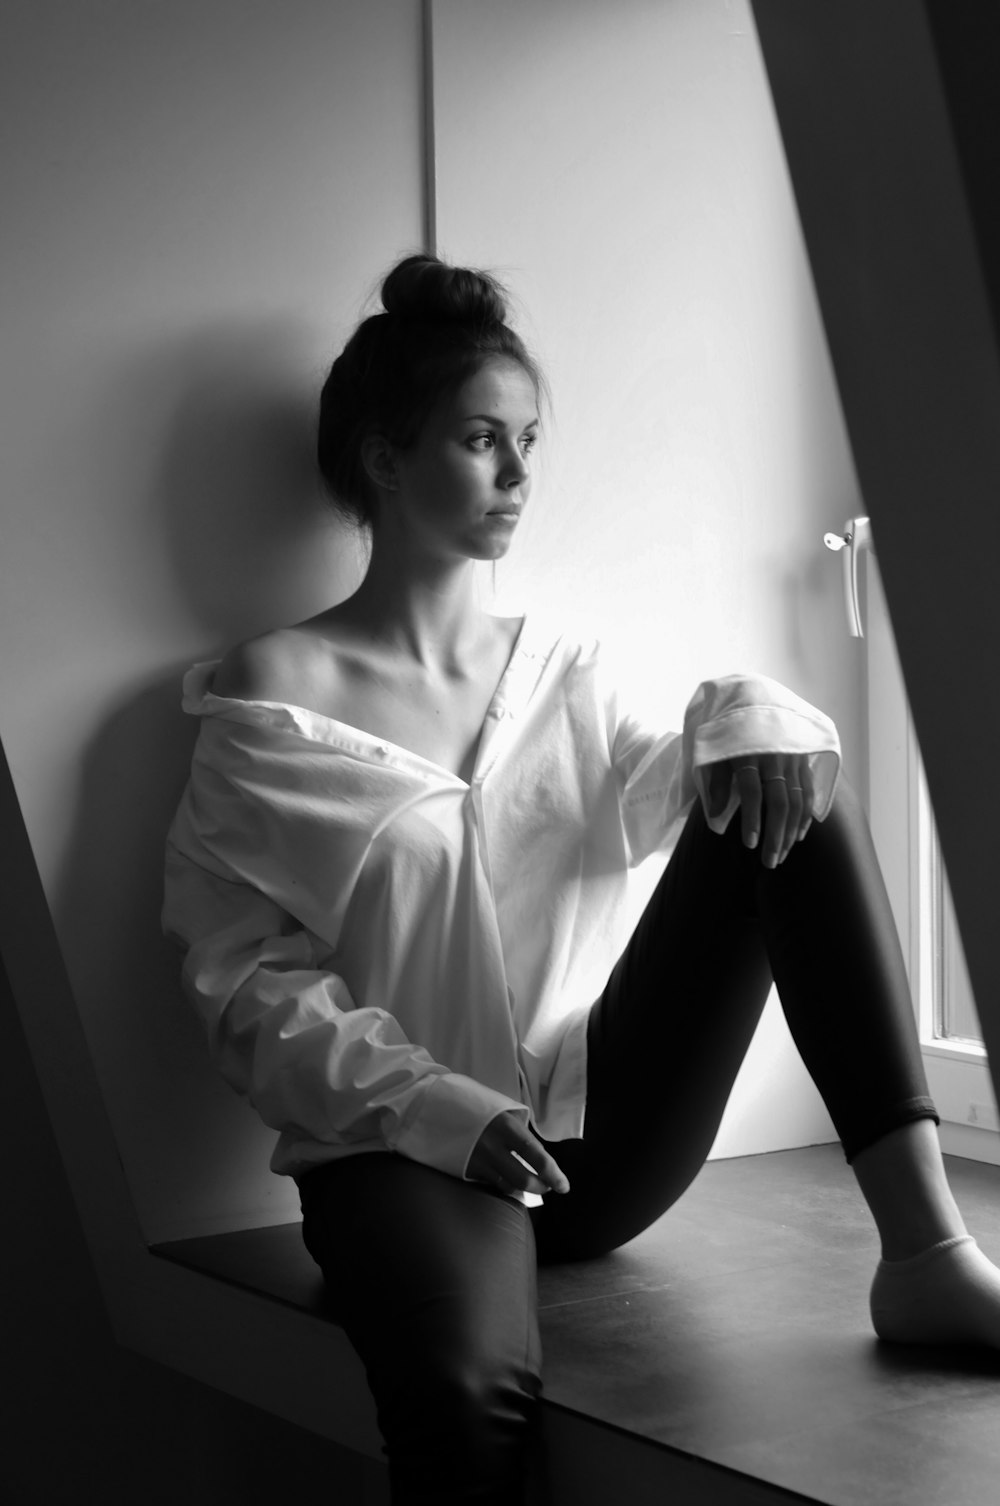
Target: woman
[398, 874]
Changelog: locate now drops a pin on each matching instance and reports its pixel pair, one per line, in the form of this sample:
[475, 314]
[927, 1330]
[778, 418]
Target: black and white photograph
[498, 552]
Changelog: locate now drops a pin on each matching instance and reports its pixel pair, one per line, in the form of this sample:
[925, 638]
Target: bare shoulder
[272, 667]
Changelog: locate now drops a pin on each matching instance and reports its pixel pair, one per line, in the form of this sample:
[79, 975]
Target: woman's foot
[948, 1294]
[933, 1284]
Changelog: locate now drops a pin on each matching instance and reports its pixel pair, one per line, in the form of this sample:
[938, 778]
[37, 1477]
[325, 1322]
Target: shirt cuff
[444, 1128]
[784, 724]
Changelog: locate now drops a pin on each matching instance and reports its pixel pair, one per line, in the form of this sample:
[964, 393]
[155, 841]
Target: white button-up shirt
[385, 956]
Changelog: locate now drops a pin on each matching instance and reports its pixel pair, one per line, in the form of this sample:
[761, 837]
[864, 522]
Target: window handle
[856, 538]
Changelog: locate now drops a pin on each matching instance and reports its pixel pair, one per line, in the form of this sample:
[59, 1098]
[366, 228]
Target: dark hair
[438, 326]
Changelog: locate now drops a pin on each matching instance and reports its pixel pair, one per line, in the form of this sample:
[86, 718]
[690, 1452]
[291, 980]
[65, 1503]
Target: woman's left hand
[775, 793]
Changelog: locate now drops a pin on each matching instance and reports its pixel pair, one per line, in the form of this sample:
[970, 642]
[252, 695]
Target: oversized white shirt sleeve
[735, 716]
[740, 715]
[283, 1029]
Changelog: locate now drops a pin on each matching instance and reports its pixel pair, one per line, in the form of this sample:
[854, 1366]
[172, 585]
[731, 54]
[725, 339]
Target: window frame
[906, 841]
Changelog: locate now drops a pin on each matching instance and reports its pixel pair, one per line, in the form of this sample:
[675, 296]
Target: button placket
[478, 820]
[498, 715]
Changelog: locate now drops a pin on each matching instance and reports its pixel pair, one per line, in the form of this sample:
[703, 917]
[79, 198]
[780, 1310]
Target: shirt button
[381, 750]
[498, 712]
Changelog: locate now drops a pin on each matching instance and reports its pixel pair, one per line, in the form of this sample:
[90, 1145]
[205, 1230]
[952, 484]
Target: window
[906, 840]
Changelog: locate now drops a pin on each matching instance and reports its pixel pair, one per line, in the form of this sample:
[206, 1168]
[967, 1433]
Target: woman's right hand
[495, 1159]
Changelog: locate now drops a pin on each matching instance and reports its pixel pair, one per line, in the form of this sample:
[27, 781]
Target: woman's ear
[378, 457]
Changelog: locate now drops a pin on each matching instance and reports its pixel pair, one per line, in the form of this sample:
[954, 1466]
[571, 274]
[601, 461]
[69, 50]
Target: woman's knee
[478, 1389]
[844, 825]
[845, 804]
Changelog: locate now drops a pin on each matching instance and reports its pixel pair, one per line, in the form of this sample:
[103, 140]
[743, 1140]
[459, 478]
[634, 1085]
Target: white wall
[622, 167]
[197, 195]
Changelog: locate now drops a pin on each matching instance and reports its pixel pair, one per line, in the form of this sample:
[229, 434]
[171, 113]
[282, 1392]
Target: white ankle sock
[948, 1294]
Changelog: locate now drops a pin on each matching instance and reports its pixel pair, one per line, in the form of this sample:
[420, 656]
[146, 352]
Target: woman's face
[462, 486]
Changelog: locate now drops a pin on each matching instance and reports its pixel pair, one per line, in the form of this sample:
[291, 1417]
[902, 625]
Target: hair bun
[425, 289]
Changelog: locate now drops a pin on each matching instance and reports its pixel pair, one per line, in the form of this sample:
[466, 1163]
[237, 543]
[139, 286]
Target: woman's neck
[426, 608]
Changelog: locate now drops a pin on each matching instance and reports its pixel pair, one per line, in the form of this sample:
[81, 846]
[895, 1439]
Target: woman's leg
[670, 1030]
[669, 1033]
[434, 1282]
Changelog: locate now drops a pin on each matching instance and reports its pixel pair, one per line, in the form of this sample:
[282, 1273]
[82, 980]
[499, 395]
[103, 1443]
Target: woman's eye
[528, 443]
[482, 441]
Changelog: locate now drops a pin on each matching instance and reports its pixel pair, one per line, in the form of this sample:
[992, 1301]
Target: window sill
[959, 1080]
[959, 1051]
[727, 1349]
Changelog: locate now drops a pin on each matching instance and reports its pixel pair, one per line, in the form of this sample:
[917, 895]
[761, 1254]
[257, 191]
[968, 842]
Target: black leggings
[434, 1278]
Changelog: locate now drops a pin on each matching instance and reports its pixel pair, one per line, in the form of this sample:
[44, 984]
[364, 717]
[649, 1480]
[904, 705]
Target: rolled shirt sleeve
[286, 1033]
[735, 716]
[738, 716]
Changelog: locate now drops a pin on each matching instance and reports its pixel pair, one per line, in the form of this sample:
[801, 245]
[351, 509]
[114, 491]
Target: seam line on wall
[429, 139]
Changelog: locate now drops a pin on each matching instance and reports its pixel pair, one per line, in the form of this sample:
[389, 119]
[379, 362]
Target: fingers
[808, 797]
[776, 803]
[509, 1156]
[747, 782]
[542, 1171]
[529, 1158]
[779, 812]
[718, 780]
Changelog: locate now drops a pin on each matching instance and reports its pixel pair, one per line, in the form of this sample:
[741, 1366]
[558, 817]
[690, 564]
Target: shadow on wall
[249, 537]
[235, 500]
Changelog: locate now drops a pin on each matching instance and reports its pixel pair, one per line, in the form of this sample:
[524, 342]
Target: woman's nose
[515, 469]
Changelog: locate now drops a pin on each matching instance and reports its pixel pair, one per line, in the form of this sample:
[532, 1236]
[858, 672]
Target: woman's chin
[494, 546]
[503, 527]
[496, 551]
